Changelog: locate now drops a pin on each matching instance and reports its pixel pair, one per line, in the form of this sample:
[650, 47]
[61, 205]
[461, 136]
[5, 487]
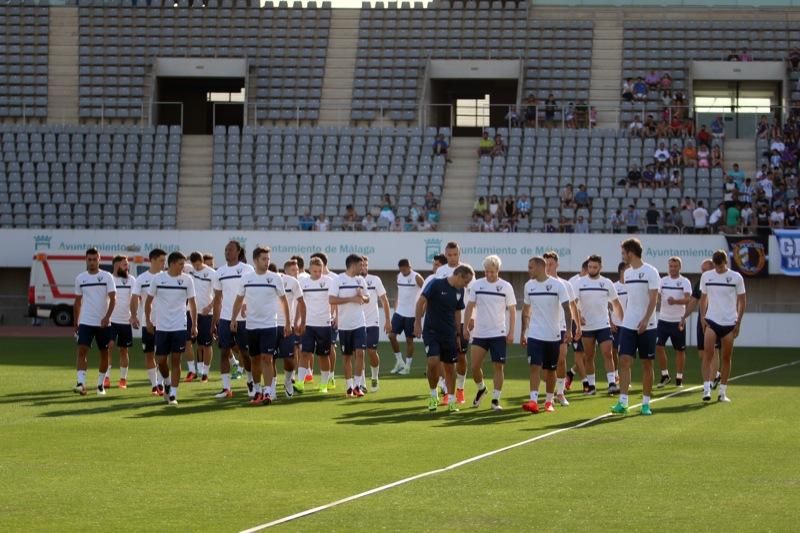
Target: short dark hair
[594, 258]
[551, 254]
[451, 245]
[621, 267]
[720, 257]
[539, 260]
[207, 256]
[301, 263]
[259, 249]
[322, 256]
[352, 259]
[273, 268]
[464, 270]
[92, 251]
[633, 246]
[290, 262]
[403, 263]
[194, 257]
[155, 253]
[117, 259]
[585, 265]
[174, 257]
[440, 258]
[316, 261]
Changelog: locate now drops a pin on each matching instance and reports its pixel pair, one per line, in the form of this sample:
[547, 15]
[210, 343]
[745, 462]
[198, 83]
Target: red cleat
[190, 377]
[257, 399]
[460, 396]
[106, 383]
[548, 407]
[357, 392]
[123, 383]
[224, 393]
[568, 380]
[531, 407]
[308, 379]
[154, 391]
[266, 400]
[445, 399]
[160, 390]
[204, 378]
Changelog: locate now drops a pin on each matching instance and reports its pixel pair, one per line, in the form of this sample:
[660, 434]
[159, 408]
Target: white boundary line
[476, 458]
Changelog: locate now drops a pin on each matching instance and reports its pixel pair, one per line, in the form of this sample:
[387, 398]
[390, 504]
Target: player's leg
[608, 363]
[461, 370]
[535, 360]
[433, 363]
[498, 379]
[103, 339]
[647, 353]
[726, 358]
[664, 330]
[82, 359]
[332, 358]
[373, 336]
[561, 372]
[679, 345]
[111, 345]
[627, 353]
[256, 365]
[226, 342]
[397, 326]
[191, 364]
[478, 349]
[409, 351]
[588, 343]
[709, 364]
[346, 341]
[549, 365]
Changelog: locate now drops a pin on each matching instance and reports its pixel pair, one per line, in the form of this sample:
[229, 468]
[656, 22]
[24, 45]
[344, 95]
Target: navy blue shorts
[262, 341]
[334, 335]
[721, 331]
[631, 343]
[148, 341]
[671, 331]
[316, 340]
[189, 325]
[598, 335]
[496, 346]
[701, 336]
[373, 336]
[168, 342]
[286, 344]
[352, 340]
[404, 325]
[462, 344]
[204, 330]
[122, 335]
[616, 338]
[87, 334]
[442, 347]
[543, 353]
[227, 339]
[577, 344]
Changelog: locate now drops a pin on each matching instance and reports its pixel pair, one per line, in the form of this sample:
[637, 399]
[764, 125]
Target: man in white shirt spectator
[662, 154]
[700, 216]
[716, 217]
[777, 144]
[776, 219]
[636, 128]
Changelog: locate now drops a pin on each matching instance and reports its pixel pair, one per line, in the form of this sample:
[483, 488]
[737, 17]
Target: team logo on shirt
[641, 275]
[99, 278]
[321, 284]
[498, 289]
[239, 270]
[548, 287]
[124, 281]
[180, 282]
[728, 279]
[369, 282]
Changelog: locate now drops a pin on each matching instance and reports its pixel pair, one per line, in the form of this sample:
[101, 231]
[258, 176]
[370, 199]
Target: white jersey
[315, 296]
[721, 291]
[262, 294]
[622, 296]
[407, 294]
[545, 298]
[445, 271]
[228, 280]
[291, 286]
[142, 289]
[492, 301]
[677, 288]
[94, 290]
[351, 315]
[573, 281]
[571, 295]
[594, 296]
[303, 275]
[122, 307]
[376, 290]
[639, 282]
[170, 295]
[204, 288]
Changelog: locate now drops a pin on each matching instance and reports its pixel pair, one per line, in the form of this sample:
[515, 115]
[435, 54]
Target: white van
[51, 291]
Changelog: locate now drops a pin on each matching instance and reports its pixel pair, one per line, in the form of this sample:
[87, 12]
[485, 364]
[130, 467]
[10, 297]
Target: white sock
[723, 389]
[560, 386]
[460, 379]
[159, 379]
[481, 385]
[679, 375]
[496, 394]
[707, 388]
[249, 376]
[399, 357]
[323, 376]
[645, 400]
[623, 399]
[226, 381]
[610, 377]
[274, 384]
[443, 385]
[349, 383]
[375, 371]
[167, 381]
[82, 377]
[434, 394]
[451, 399]
[123, 372]
[549, 397]
[590, 378]
[192, 367]
[534, 395]
[257, 388]
[267, 391]
[287, 379]
[302, 372]
[101, 376]
[665, 372]
[108, 371]
[173, 392]
[408, 362]
[719, 374]
[232, 360]
[151, 375]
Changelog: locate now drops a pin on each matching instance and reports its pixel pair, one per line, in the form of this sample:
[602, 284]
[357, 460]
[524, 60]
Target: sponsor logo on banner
[432, 247]
[749, 255]
[789, 246]
[42, 241]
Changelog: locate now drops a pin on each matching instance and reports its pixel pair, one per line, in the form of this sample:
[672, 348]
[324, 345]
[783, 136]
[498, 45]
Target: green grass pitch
[127, 462]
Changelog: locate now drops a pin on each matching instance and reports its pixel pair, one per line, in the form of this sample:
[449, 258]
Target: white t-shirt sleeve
[190, 292]
[511, 298]
[703, 281]
[78, 290]
[279, 288]
[216, 284]
[563, 296]
[653, 280]
[526, 299]
[739, 285]
[110, 286]
[612, 291]
[333, 290]
[687, 287]
[153, 289]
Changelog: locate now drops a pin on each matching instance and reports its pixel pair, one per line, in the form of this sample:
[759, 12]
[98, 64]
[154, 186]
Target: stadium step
[460, 183]
[62, 79]
[340, 63]
[606, 75]
[194, 188]
[742, 151]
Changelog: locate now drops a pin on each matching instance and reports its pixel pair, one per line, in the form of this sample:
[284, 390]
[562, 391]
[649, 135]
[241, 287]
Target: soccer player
[121, 331]
[494, 305]
[349, 294]
[377, 299]
[208, 260]
[301, 266]
[316, 338]
[544, 297]
[721, 310]
[452, 253]
[442, 301]
[203, 277]
[693, 304]
[289, 346]
[171, 290]
[638, 331]
[409, 285]
[595, 294]
[334, 320]
[139, 293]
[577, 340]
[562, 375]
[95, 296]
[263, 293]
[674, 294]
[226, 286]
[616, 320]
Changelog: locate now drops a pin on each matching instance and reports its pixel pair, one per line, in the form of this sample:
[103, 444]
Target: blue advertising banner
[789, 246]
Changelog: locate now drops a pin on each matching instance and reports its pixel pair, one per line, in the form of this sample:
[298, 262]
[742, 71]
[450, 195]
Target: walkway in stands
[340, 64]
[458, 195]
[194, 192]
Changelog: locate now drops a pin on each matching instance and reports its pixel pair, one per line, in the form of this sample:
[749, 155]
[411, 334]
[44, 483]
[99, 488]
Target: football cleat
[613, 389]
[406, 370]
[453, 408]
[496, 405]
[374, 386]
[664, 381]
[257, 399]
[172, 401]
[646, 410]
[123, 383]
[309, 378]
[358, 392]
[445, 400]
[723, 398]
[160, 389]
[204, 378]
[397, 367]
[548, 407]
[433, 403]
[590, 390]
[154, 391]
[679, 382]
[460, 396]
[350, 393]
[531, 406]
[80, 388]
[101, 391]
[707, 397]
[191, 376]
[716, 382]
[224, 393]
[478, 396]
[568, 380]
[106, 382]
[619, 409]
[562, 400]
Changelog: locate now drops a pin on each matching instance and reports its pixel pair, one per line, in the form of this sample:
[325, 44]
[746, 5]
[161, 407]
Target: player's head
[322, 257]
[261, 256]
[621, 267]
[234, 252]
[631, 249]
[594, 264]
[404, 267]
[462, 276]
[364, 265]
[706, 265]
[674, 264]
[315, 266]
[175, 263]
[301, 263]
[537, 267]
[290, 268]
[438, 260]
[551, 262]
[196, 259]
[92, 259]
[584, 267]
[720, 259]
[157, 258]
[273, 268]
[119, 266]
[208, 260]
[491, 267]
[353, 264]
[453, 253]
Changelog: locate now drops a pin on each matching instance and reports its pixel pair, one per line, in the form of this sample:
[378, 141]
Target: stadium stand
[23, 61]
[86, 177]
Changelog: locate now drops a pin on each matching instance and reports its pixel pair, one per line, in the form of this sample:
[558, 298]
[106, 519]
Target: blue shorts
[442, 347]
[543, 353]
[122, 335]
[168, 342]
[373, 336]
[204, 330]
[671, 331]
[404, 325]
[352, 340]
[227, 339]
[286, 344]
[597, 335]
[148, 341]
[616, 338]
[316, 340]
[334, 335]
[720, 331]
[262, 341]
[496, 346]
[577, 344]
[631, 343]
[701, 336]
[87, 334]
[189, 325]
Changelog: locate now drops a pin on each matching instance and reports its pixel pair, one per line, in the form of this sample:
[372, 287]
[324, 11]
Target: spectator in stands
[322, 223]
[652, 217]
[486, 145]
[765, 187]
[567, 225]
[494, 205]
[716, 219]
[488, 224]
[763, 128]
[737, 174]
[523, 206]
[636, 128]
[745, 55]
[549, 227]
[762, 220]
[592, 117]
[433, 216]
[582, 114]
[700, 216]
[475, 223]
[306, 221]
[666, 98]
[688, 203]
[430, 201]
[581, 225]
[368, 223]
[763, 172]
[386, 216]
[661, 176]
[703, 156]
[582, 198]
[499, 148]
[510, 208]
[662, 129]
[704, 136]
[569, 115]
[480, 206]
[634, 178]
[632, 219]
[733, 219]
[748, 217]
[440, 147]
[777, 218]
[671, 220]
[531, 110]
[747, 191]
[567, 196]
[675, 179]
[716, 157]
[512, 117]
[791, 217]
[661, 155]
[718, 128]
[732, 56]
[675, 124]
[627, 90]
[666, 81]
[650, 127]
[675, 156]
[640, 90]
[350, 218]
[730, 192]
[648, 177]
[687, 130]
[652, 79]
[793, 57]
[686, 220]
[398, 225]
[616, 221]
[423, 224]
[550, 108]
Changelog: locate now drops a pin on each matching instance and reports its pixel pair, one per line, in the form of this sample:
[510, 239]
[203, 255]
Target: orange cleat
[257, 399]
[531, 407]
[460, 396]
[123, 383]
[106, 383]
[445, 399]
[308, 379]
[190, 377]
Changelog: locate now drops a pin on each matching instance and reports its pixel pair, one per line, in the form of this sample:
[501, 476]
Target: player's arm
[469, 322]
[420, 281]
[76, 311]
[741, 304]
[460, 333]
[575, 315]
[687, 297]
[134, 308]
[568, 317]
[237, 307]
[526, 320]
[651, 307]
[217, 305]
[287, 325]
[193, 314]
[112, 301]
[419, 312]
[300, 316]
[618, 310]
[148, 309]
[512, 320]
[703, 309]
[383, 301]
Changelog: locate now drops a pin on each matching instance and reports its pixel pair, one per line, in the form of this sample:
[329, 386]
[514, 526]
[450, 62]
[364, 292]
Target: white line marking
[459, 464]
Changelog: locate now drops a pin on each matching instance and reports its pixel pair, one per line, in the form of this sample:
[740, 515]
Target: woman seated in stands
[703, 156]
[499, 147]
[666, 97]
[523, 206]
[510, 208]
[494, 205]
[762, 130]
[649, 177]
[661, 177]
[689, 155]
[650, 127]
[716, 157]
[567, 196]
[675, 156]
[480, 206]
[663, 128]
[675, 179]
[627, 90]
[675, 125]
[666, 81]
[688, 128]
[634, 178]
